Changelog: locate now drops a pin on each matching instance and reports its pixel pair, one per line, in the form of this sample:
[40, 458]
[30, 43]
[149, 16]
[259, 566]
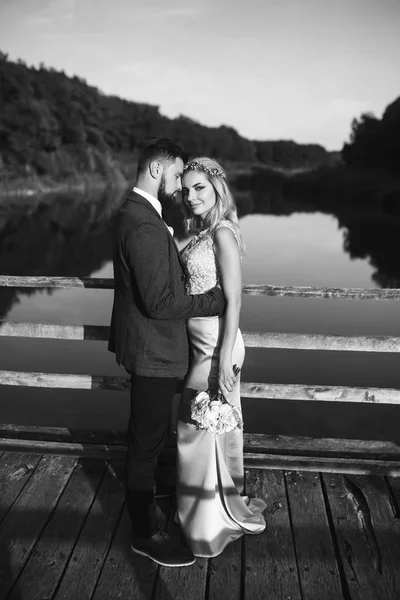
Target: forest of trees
[59, 126]
[375, 143]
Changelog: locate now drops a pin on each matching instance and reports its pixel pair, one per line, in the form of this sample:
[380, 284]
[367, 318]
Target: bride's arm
[228, 258]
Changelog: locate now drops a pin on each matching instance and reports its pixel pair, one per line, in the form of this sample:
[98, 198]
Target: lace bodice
[199, 261]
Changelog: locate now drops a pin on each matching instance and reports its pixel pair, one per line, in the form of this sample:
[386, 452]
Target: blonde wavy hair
[224, 208]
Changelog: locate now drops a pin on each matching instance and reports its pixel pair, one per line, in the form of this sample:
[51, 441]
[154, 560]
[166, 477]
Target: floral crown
[197, 165]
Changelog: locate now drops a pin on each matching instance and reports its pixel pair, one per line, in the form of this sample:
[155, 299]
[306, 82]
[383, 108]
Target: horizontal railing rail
[252, 339]
[260, 450]
[253, 290]
[278, 391]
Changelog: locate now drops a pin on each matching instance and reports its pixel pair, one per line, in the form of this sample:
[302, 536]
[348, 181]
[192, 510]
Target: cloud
[188, 12]
[160, 11]
[52, 12]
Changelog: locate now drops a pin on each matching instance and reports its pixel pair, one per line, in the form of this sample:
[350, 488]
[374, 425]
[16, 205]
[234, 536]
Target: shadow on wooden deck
[64, 534]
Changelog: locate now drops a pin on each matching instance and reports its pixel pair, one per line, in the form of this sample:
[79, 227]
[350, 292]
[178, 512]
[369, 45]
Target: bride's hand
[226, 378]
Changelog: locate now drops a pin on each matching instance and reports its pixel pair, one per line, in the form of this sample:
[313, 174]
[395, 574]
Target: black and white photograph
[199, 300]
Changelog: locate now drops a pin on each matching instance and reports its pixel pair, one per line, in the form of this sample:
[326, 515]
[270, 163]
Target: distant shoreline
[36, 186]
[43, 186]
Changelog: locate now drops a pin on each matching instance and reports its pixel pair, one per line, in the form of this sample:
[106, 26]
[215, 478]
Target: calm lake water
[290, 243]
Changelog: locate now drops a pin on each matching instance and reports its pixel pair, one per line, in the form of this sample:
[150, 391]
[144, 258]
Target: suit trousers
[151, 404]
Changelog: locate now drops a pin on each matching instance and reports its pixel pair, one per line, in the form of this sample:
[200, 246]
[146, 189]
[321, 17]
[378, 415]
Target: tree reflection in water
[70, 234]
[66, 235]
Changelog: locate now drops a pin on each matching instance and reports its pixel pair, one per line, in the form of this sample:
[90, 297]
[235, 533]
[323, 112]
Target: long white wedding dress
[210, 506]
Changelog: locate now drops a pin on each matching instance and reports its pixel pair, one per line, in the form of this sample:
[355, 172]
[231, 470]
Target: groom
[148, 334]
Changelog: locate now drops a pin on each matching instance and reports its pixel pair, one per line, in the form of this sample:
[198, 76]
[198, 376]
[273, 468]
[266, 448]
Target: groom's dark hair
[162, 149]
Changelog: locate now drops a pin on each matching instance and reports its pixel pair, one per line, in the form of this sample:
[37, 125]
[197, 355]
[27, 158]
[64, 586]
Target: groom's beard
[167, 200]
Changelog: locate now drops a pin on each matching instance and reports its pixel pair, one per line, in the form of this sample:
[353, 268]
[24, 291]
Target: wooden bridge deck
[64, 534]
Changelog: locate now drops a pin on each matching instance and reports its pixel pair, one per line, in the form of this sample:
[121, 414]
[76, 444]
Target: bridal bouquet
[213, 413]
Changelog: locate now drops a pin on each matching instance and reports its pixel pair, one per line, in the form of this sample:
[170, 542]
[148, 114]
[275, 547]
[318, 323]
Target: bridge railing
[259, 449]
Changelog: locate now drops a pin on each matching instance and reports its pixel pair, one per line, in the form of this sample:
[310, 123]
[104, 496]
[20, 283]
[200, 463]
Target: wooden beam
[261, 451]
[316, 341]
[253, 442]
[64, 380]
[320, 393]
[252, 460]
[281, 391]
[323, 447]
[293, 341]
[322, 464]
[54, 332]
[323, 293]
[101, 451]
[62, 434]
[253, 290]
[56, 282]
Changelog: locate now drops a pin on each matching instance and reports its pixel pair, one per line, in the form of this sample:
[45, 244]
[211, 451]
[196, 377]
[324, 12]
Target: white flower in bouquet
[213, 413]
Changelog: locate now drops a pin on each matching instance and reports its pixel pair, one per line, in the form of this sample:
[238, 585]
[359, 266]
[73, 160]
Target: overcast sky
[273, 69]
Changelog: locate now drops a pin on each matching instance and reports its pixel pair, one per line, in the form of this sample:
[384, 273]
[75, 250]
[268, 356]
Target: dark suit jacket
[148, 329]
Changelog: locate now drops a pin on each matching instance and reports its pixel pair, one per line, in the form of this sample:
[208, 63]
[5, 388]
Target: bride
[210, 506]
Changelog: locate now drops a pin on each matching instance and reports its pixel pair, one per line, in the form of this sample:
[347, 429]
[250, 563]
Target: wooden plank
[15, 471]
[181, 583]
[297, 341]
[62, 434]
[254, 460]
[320, 393]
[253, 442]
[351, 540]
[301, 392]
[317, 341]
[368, 535]
[386, 526]
[87, 559]
[125, 574]
[322, 293]
[46, 564]
[270, 569]
[56, 282]
[101, 451]
[53, 331]
[322, 447]
[225, 573]
[317, 566]
[253, 290]
[23, 525]
[325, 465]
[64, 380]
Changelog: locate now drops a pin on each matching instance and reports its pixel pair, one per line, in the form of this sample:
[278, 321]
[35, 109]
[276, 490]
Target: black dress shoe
[162, 550]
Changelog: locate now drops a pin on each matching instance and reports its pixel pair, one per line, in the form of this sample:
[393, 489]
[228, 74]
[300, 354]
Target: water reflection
[62, 235]
[70, 235]
[367, 211]
[294, 237]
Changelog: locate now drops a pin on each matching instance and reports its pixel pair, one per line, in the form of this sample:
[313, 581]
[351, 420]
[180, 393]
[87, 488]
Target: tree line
[60, 126]
[375, 143]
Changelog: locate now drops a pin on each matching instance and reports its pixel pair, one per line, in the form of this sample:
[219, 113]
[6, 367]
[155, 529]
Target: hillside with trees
[61, 128]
